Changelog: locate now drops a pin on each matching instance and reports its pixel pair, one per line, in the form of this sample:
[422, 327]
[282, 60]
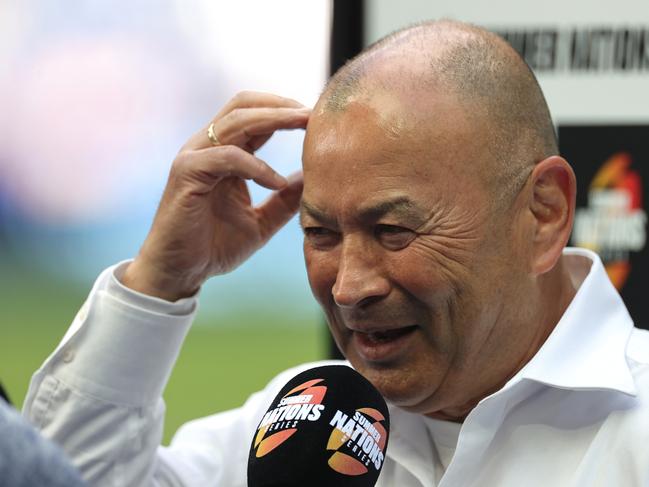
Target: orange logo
[303, 403]
[358, 442]
[614, 222]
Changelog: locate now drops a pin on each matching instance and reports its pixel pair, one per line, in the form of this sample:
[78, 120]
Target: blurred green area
[218, 368]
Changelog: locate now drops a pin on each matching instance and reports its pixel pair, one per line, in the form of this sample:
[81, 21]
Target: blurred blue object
[99, 99]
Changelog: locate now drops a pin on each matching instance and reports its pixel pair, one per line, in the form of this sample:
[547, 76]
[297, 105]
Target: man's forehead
[383, 108]
[389, 142]
[382, 127]
[394, 110]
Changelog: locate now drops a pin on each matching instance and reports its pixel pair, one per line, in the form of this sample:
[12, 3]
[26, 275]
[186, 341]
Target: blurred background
[95, 101]
[97, 97]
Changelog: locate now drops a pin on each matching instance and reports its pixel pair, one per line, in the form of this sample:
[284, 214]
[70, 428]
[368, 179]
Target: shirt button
[68, 356]
[83, 312]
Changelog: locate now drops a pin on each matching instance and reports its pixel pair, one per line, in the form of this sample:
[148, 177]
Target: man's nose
[359, 280]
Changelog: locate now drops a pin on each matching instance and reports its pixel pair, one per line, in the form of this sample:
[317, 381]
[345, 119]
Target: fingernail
[280, 179]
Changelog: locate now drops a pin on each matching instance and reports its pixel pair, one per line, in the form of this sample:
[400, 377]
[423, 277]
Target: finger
[249, 99]
[240, 126]
[245, 99]
[278, 209]
[257, 142]
[211, 165]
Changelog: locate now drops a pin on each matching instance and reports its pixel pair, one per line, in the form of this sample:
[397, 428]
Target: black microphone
[328, 426]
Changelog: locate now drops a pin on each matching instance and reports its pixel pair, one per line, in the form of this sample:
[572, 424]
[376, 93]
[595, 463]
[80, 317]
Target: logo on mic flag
[303, 403]
[358, 441]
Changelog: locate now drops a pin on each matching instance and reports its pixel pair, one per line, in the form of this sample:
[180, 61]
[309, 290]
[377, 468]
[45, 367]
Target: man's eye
[394, 237]
[320, 236]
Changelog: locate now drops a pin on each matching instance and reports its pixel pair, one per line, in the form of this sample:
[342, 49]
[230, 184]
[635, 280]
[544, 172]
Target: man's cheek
[421, 274]
[433, 265]
[321, 274]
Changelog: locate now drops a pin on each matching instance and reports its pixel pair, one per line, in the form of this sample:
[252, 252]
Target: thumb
[278, 209]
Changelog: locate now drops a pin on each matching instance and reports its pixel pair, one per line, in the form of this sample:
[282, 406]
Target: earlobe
[553, 207]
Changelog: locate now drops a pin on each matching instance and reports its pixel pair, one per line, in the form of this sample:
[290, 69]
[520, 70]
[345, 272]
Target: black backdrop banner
[347, 37]
[610, 162]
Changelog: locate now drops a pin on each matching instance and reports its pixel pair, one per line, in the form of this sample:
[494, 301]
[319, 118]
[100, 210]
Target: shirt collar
[587, 348]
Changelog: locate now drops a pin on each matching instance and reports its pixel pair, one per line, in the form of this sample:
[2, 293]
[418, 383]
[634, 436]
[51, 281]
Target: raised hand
[205, 224]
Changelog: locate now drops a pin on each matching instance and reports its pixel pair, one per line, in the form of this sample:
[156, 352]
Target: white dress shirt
[576, 415]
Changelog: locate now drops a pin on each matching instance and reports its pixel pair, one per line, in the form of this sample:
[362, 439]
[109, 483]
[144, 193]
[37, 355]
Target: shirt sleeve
[99, 395]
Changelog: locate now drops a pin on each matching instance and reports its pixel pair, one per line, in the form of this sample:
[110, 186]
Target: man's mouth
[388, 335]
[382, 345]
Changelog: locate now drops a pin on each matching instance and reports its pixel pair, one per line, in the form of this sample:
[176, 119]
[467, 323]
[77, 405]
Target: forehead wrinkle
[399, 206]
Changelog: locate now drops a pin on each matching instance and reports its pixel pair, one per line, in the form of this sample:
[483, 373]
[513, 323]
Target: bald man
[436, 211]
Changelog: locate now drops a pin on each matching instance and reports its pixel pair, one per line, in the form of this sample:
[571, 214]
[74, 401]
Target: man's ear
[552, 205]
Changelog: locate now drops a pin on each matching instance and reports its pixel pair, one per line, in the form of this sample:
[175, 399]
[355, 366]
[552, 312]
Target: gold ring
[212, 136]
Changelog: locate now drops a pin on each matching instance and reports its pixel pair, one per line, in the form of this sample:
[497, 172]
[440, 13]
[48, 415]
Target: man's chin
[409, 393]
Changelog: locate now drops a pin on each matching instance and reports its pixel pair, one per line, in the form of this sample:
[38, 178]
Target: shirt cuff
[122, 345]
[118, 290]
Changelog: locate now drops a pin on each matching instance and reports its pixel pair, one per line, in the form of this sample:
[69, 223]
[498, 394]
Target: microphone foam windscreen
[328, 426]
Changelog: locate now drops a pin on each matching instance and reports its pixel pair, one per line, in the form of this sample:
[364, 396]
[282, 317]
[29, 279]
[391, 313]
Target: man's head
[435, 210]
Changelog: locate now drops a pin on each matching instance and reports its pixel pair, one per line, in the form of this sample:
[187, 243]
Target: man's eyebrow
[314, 212]
[399, 206]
